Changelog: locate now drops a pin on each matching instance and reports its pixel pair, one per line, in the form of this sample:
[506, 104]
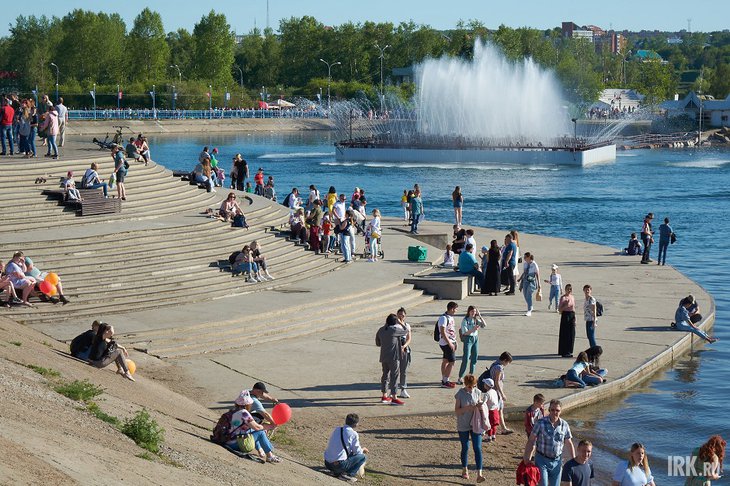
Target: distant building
[403, 75]
[674, 40]
[616, 43]
[715, 113]
[646, 55]
[621, 98]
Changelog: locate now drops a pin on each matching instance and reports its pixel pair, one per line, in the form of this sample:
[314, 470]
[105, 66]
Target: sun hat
[244, 399]
[554, 266]
[489, 382]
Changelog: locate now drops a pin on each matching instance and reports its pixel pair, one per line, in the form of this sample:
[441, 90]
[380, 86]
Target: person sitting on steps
[32, 271]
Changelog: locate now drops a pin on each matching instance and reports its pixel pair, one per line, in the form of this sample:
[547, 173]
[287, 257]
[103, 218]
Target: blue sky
[668, 15]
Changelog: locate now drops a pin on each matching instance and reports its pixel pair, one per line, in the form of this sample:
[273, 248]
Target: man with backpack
[445, 334]
[344, 455]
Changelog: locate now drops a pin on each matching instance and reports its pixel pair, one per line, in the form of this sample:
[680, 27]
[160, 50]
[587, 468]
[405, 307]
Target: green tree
[181, 45]
[656, 81]
[150, 51]
[302, 45]
[92, 47]
[720, 81]
[30, 47]
[214, 45]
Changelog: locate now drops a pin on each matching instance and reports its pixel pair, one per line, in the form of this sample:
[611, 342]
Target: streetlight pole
[382, 56]
[210, 100]
[94, 98]
[575, 132]
[118, 98]
[174, 95]
[329, 80]
[241, 72]
[179, 73]
[57, 71]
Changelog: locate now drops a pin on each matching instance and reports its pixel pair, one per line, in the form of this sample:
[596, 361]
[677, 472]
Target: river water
[681, 406]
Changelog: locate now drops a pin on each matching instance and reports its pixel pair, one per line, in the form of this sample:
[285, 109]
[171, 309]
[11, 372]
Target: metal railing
[215, 114]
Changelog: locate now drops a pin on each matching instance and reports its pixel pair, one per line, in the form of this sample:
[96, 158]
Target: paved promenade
[312, 337]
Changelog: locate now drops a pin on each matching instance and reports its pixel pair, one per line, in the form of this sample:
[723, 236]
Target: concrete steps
[252, 330]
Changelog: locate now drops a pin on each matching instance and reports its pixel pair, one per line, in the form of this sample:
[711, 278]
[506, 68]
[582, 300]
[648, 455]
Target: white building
[715, 113]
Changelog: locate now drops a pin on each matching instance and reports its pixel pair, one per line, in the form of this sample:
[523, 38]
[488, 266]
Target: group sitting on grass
[21, 276]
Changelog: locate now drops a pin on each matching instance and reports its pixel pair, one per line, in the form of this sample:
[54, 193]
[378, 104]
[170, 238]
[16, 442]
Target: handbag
[538, 296]
[246, 443]
[672, 238]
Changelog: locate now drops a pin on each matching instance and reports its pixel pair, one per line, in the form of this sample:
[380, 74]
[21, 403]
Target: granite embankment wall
[150, 127]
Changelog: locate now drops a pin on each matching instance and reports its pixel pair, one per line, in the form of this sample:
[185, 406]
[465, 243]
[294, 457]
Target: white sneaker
[403, 393]
[528, 313]
[268, 275]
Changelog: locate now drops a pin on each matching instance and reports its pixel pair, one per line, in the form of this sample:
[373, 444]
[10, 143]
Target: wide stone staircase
[161, 252]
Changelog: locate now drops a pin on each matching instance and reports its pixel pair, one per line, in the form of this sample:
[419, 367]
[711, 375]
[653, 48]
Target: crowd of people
[21, 122]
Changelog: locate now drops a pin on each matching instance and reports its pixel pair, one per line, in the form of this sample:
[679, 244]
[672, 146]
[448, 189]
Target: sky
[665, 15]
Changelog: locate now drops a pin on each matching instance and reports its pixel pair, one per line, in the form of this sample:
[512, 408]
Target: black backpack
[285, 202]
[437, 331]
[599, 309]
[232, 257]
[222, 430]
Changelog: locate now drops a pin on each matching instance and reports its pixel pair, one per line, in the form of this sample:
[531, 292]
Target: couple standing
[394, 340]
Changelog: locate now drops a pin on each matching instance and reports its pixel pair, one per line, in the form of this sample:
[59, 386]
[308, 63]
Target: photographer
[469, 334]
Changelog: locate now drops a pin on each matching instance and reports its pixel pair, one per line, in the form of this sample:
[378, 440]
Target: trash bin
[417, 253]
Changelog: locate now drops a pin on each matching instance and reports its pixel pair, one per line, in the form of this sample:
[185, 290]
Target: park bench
[93, 203]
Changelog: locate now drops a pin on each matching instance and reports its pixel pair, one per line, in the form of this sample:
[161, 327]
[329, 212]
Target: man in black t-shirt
[579, 470]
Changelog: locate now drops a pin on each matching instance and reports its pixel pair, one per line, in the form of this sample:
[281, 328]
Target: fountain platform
[580, 154]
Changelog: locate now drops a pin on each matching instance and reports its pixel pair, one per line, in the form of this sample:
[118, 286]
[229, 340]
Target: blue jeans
[554, 295]
[6, 131]
[663, 245]
[345, 246]
[549, 470]
[646, 239]
[683, 326]
[470, 356]
[591, 332]
[100, 184]
[573, 376]
[52, 145]
[592, 380]
[414, 223]
[478, 276]
[527, 290]
[262, 441]
[247, 267]
[476, 442]
[349, 466]
[31, 139]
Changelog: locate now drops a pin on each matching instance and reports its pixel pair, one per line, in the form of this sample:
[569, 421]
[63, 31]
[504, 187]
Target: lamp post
[174, 95]
[57, 72]
[179, 73]
[575, 132]
[382, 56]
[241, 73]
[329, 80]
[210, 101]
[119, 98]
[94, 98]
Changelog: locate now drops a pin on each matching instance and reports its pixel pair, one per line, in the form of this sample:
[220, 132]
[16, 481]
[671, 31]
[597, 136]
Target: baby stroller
[366, 251]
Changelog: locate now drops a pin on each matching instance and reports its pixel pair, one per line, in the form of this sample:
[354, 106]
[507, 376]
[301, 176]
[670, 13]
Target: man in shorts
[447, 342]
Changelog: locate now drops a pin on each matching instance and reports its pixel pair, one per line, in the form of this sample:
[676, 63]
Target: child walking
[556, 287]
[492, 402]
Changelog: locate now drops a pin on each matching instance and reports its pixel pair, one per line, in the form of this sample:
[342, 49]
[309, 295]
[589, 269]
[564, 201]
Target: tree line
[95, 49]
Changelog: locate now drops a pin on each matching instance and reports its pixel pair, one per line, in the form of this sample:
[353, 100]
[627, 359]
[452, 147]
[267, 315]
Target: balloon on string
[53, 291]
[131, 366]
[281, 413]
[52, 278]
[46, 287]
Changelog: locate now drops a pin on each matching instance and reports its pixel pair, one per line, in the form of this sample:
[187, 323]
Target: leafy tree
[149, 51]
[30, 47]
[91, 47]
[181, 45]
[302, 46]
[213, 52]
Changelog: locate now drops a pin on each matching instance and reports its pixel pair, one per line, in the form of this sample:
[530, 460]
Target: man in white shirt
[344, 456]
[447, 343]
[340, 209]
[62, 119]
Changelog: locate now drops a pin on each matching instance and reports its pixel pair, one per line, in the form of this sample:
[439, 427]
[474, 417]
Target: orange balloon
[132, 367]
[53, 291]
[52, 278]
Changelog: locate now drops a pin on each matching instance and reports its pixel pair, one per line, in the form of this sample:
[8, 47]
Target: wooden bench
[93, 203]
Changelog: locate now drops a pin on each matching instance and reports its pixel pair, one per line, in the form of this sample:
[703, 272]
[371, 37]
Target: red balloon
[46, 287]
[281, 413]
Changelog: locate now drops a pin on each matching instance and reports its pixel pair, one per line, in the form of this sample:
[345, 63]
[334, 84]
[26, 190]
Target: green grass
[144, 431]
[16, 343]
[97, 412]
[47, 372]
[79, 390]
[146, 456]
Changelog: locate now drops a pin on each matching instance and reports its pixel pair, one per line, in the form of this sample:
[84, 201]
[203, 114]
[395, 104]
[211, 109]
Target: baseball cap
[260, 386]
[489, 382]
